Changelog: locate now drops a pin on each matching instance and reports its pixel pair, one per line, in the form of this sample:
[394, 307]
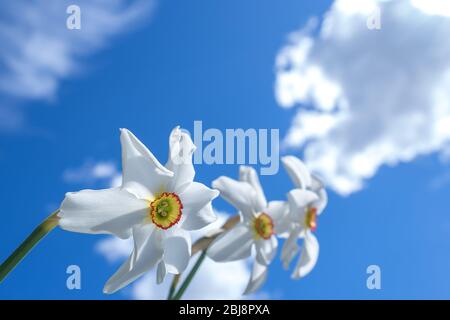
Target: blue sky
[215, 61]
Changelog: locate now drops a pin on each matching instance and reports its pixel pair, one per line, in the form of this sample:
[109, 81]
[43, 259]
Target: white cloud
[367, 97]
[434, 7]
[224, 280]
[38, 51]
[114, 249]
[91, 172]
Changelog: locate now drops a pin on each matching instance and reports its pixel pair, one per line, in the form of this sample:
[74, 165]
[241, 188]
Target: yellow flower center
[263, 226]
[166, 210]
[311, 218]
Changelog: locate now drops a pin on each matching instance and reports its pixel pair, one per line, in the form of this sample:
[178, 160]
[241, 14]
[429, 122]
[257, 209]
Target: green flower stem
[173, 286]
[189, 277]
[201, 245]
[41, 231]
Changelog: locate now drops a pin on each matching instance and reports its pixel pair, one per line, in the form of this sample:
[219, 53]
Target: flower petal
[249, 175]
[143, 175]
[322, 202]
[302, 198]
[180, 160]
[197, 208]
[316, 183]
[266, 250]
[234, 244]
[297, 171]
[290, 246]
[299, 200]
[113, 211]
[147, 252]
[141, 234]
[177, 250]
[199, 219]
[308, 256]
[161, 272]
[239, 194]
[257, 278]
[278, 211]
[318, 187]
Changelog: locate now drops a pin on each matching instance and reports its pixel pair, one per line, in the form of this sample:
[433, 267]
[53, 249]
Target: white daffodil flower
[306, 203]
[256, 229]
[155, 204]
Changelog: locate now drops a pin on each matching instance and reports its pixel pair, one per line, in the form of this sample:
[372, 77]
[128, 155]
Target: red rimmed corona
[263, 226]
[166, 210]
[311, 218]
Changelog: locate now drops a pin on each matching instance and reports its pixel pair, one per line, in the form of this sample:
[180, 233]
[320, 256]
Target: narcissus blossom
[158, 205]
[256, 229]
[306, 203]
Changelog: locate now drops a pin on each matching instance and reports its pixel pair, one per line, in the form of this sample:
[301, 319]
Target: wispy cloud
[224, 280]
[368, 98]
[91, 172]
[38, 51]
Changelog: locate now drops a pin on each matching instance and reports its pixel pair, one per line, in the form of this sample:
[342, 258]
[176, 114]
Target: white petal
[299, 200]
[278, 211]
[197, 208]
[143, 175]
[234, 244]
[199, 219]
[257, 278]
[249, 175]
[141, 234]
[180, 160]
[297, 171]
[308, 256]
[239, 194]
[322, 202]
[113, 211]
[147, 253]
[177, 250]
[318, 187]
[316, 183]
[266, 250]
[290, 247]
[161, 272]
